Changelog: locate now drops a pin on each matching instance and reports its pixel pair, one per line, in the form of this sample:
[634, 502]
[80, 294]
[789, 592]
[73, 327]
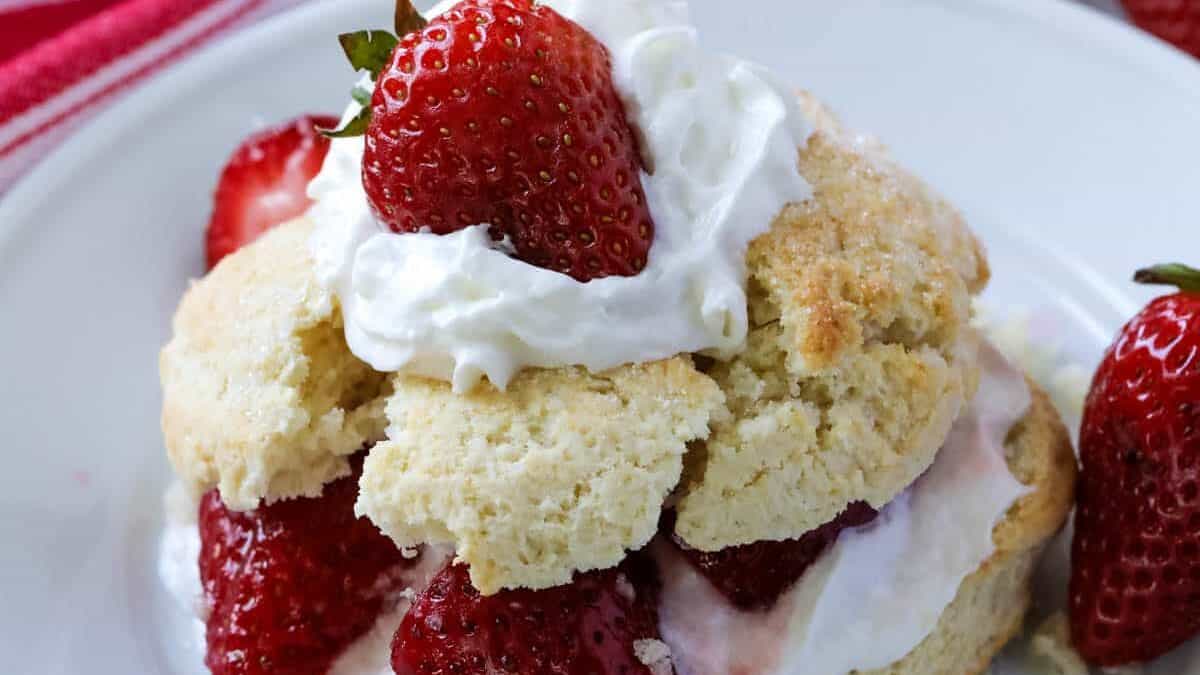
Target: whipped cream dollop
[722, 137]
[880, 590]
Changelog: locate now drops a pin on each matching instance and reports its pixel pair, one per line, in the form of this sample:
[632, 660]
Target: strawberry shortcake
[591, 351]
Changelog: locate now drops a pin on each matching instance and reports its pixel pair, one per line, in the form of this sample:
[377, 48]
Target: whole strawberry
[1135, 572]
[588, 627]
[292, 584]
[502, 112]
[265, 183]
[1176, 21]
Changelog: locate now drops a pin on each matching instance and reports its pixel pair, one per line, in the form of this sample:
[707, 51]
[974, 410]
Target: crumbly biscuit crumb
[655, 654]
[261, 396]
[564, 471]
[860, 354]
[1050, 649]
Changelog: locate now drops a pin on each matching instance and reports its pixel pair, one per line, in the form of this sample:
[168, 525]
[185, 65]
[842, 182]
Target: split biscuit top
[858, 361]
[859, 357]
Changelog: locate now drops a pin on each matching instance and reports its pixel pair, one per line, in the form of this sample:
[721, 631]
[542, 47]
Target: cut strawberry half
[755, 576]
[1176, 21]
[292, 584]
[265, 183]
[588, 627]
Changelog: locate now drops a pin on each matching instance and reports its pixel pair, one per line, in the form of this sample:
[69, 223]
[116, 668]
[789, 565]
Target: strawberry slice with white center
[265, 183]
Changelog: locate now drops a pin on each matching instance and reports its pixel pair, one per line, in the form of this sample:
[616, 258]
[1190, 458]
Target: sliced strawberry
[588, 627]
[292, 584]
[1135, 559]
[503, 112]
[264, 183]
[1176, 21]
[755, 576]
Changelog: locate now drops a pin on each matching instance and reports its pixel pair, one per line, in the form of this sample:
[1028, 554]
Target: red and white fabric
[61, 61]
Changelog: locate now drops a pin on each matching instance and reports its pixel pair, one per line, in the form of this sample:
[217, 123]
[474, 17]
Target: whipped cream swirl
[722, 138]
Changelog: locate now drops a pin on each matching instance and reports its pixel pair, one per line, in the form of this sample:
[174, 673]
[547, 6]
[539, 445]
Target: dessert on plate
[594, 352]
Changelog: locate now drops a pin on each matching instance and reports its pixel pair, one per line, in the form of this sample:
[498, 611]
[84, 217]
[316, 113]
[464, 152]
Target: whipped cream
[722, 137]
[880, 590]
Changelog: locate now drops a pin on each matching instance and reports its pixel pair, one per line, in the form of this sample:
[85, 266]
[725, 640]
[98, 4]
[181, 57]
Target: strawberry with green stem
[1135, 571]
[503, 113]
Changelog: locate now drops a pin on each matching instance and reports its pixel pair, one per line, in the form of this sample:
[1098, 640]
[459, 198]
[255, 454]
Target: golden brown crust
[912, 197]
[859, 359]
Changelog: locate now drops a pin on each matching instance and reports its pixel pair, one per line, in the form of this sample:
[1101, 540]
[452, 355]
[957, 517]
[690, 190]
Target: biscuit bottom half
[937, 583]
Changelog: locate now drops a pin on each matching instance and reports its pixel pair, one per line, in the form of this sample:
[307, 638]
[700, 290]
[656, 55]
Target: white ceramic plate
[1069, 140]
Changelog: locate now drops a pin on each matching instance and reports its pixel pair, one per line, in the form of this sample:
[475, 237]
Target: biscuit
[261, 396]
[564, 471]
[859, 358]
[857, 364]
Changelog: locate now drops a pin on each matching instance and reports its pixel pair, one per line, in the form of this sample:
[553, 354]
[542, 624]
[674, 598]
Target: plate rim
[87, 144]
[83, 145]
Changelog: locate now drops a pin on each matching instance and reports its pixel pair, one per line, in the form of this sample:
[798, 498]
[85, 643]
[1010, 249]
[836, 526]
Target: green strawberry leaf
[356, 126]
[408, 19]
[362, 95]
[368, 50]
[1171, 274]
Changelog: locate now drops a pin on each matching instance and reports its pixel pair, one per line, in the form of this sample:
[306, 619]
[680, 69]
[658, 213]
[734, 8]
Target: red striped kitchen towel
[61, 61]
